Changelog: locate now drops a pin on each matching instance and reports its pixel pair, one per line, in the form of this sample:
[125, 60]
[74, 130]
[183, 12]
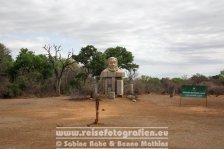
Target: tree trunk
[58, 86]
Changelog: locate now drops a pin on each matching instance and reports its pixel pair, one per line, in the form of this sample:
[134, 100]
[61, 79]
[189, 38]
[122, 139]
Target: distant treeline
[171, 86]
[51, 74]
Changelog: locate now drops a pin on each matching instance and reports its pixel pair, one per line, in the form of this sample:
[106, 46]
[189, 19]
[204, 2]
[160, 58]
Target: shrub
[216, 90]
[139, 87]
[12, 90]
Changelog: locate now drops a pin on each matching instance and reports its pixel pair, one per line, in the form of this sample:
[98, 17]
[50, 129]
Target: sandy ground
[31, 123]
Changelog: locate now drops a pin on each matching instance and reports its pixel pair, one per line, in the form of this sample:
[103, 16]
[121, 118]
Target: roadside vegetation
[50, 74]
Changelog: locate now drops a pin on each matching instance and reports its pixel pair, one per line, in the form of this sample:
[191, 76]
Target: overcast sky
[168, 38]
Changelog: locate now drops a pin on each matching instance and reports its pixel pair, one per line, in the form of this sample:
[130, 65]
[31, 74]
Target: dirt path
[31, 123]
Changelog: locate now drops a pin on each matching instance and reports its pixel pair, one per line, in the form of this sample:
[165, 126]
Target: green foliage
[43, 67]
[155, 81]
[36, 74]
[221, 77]
[22, 82]
[151, 84]
[75, 83]
[222, 73]
[5, 59]
[12, 90]
[179, 81]
[86, 55]
[124, 57]
[29, 73]
[6, 62]
[35, 67]
[150, 80]
[93, 61]
[98, 63]
[145, 78]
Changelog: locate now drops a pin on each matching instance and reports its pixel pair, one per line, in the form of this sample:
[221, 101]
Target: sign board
[194, 91]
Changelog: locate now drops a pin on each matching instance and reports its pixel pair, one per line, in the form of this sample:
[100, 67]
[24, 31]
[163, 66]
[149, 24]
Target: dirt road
[31, 123]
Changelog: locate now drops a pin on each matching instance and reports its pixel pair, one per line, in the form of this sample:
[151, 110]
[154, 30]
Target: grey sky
[167, 37]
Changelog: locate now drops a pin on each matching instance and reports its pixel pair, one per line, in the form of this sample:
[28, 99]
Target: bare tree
[132, 75]
[59, 64]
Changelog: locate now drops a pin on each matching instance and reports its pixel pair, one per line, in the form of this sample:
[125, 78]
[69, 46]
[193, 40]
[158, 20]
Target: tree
[29, 63]
[92, 60]
[29, 74]
[98, 63]
[168, 86]
[124, 57]
[6, 62]
[198, 78]
[23, 64]
[58, 63]
[132, 75]
[5, 59]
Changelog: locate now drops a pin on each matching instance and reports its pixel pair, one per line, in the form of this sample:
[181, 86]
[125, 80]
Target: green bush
[12, 90]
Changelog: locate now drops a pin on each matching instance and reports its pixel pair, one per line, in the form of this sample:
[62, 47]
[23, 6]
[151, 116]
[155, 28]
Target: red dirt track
[31, 123]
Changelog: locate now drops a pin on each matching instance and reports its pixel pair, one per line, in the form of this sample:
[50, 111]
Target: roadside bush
[4, 83]
[80, 89]
[11, 91]
[139, 87]
[216, 90]
[22, 82]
